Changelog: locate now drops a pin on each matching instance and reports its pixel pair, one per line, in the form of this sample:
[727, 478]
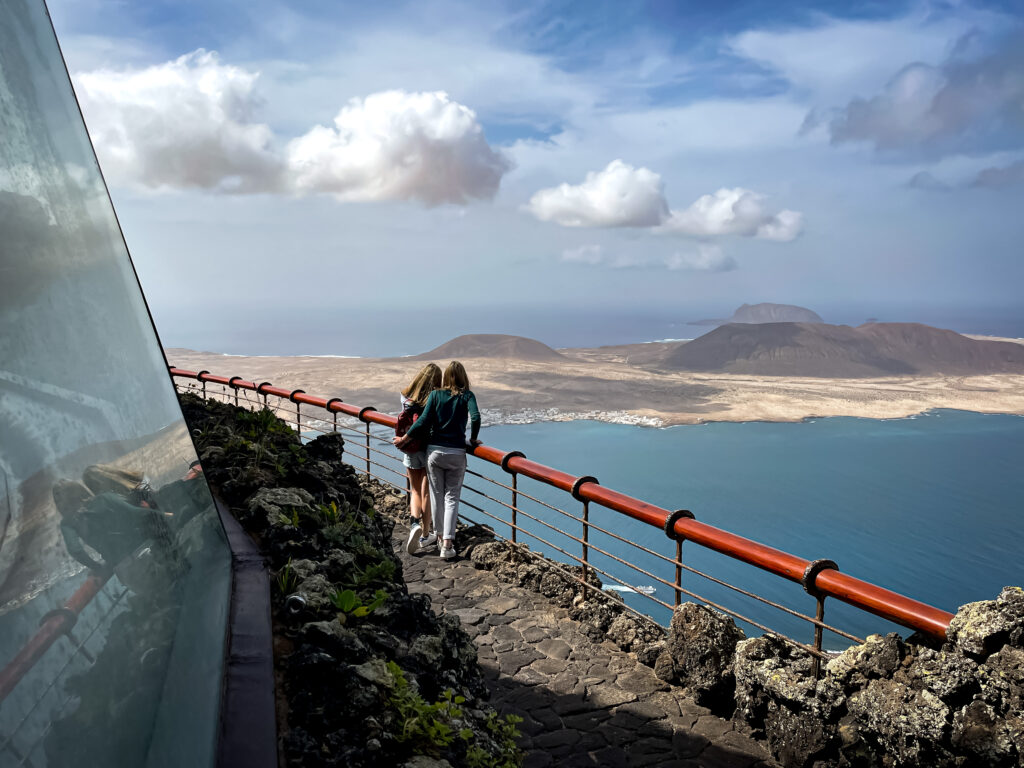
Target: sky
[325, 163]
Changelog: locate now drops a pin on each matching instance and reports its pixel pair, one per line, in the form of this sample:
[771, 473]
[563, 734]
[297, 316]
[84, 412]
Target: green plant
[505, 732]
[428, 726]
[348, 602]
[381, 571]
[286, 579]
[330, 513]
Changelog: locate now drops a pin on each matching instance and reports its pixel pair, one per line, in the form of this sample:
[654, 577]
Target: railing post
[515, 506]
[362, 415]
[367, 448]
[298, 410]
[586, 526]
[670, 531]
[515, 493]
[586, 539]
[810, 574]
[679, 573]
[820, 616]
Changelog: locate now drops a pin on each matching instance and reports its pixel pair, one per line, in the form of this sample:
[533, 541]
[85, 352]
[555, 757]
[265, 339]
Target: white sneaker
[428, 541]
[447, 553]
[413, 543]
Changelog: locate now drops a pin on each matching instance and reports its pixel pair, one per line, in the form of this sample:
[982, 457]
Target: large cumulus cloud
[185, 123]
[190, 123]
[624, 196]
[398, 146]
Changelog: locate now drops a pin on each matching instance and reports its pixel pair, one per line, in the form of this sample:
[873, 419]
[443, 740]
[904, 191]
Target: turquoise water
[929, 506]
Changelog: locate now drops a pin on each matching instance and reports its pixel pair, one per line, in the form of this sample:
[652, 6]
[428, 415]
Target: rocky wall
[889, 702]
[367, 674]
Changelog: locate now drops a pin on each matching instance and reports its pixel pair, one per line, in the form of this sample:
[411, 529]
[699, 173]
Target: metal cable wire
[355, 461]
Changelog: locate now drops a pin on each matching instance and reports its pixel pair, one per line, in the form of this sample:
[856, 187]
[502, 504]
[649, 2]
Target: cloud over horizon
[735, 211]
[624, 196]
[997, 177]
[706, 257]
[189, 124]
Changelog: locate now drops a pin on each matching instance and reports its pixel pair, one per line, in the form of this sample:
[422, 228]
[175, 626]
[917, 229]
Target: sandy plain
[600, 384]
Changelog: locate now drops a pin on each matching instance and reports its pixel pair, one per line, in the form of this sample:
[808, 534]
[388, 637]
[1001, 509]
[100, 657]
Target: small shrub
[348, 602]
[286, 579]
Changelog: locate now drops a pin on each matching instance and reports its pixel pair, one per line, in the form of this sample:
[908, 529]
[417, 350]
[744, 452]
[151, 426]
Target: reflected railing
[90, 609]
[506, 505]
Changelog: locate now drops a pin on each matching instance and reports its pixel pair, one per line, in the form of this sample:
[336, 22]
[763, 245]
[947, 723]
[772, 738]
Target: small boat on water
[645, 589]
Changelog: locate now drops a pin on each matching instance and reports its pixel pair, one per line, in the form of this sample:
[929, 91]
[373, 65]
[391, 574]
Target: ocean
[929, 506]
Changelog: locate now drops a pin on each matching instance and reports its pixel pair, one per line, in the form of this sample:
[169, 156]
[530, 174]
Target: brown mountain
[839, 351]
[492, 345]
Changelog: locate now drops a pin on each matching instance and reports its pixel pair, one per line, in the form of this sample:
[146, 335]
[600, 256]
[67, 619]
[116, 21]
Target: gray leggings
[445, 472]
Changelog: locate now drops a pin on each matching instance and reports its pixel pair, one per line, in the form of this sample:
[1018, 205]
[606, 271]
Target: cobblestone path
[582, 703]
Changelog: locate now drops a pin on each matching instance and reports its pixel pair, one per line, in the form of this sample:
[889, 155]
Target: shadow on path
[582, 703]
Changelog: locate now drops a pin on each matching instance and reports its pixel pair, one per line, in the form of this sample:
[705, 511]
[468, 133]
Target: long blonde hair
[455, 378]
[426, 381]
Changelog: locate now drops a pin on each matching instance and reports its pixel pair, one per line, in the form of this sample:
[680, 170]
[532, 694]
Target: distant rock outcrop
[767, 313]
[839, 351]
[492, 345]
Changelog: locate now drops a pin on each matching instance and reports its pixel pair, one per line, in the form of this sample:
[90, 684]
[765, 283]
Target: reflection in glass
[114, 573]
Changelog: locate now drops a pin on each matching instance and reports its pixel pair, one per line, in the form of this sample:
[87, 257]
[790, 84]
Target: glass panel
[114, 571]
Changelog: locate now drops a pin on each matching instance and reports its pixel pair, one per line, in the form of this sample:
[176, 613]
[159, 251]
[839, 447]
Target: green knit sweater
[443, 421]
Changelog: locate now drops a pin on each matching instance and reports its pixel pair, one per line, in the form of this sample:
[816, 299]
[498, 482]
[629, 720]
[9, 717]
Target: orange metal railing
[820, 578]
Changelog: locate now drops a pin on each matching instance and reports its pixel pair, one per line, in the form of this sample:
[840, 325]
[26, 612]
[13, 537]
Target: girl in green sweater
[443, 424]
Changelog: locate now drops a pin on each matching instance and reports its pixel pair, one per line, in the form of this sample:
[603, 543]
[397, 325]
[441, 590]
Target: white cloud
[707, 258]
[189, 123]
[184, 123]
[618, 196]
[584, 254]
[734, 211]
[398, 146]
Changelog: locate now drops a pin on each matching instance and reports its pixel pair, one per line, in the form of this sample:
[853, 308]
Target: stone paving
[582, 703]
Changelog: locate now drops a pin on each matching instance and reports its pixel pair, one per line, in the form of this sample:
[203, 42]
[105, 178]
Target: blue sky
[678, 156]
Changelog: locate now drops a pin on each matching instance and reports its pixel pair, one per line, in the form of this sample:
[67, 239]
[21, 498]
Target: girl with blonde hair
[443, 424]
[414, 398]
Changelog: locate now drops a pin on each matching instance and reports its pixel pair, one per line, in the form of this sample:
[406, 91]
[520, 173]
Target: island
[737, 372]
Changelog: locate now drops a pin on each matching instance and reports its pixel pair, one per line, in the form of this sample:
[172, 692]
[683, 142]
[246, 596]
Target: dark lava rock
[905, 724]
[362, 663]
[702, 643]
[775, 696]
[982, 628]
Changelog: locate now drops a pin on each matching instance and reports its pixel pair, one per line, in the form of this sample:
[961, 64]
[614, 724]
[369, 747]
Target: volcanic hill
[767, 313]
[492, 345]
[839, 351]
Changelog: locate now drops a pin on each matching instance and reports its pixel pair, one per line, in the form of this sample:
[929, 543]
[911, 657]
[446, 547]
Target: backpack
[406, 419]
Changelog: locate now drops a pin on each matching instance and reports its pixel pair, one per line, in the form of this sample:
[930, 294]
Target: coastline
[609, 384]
